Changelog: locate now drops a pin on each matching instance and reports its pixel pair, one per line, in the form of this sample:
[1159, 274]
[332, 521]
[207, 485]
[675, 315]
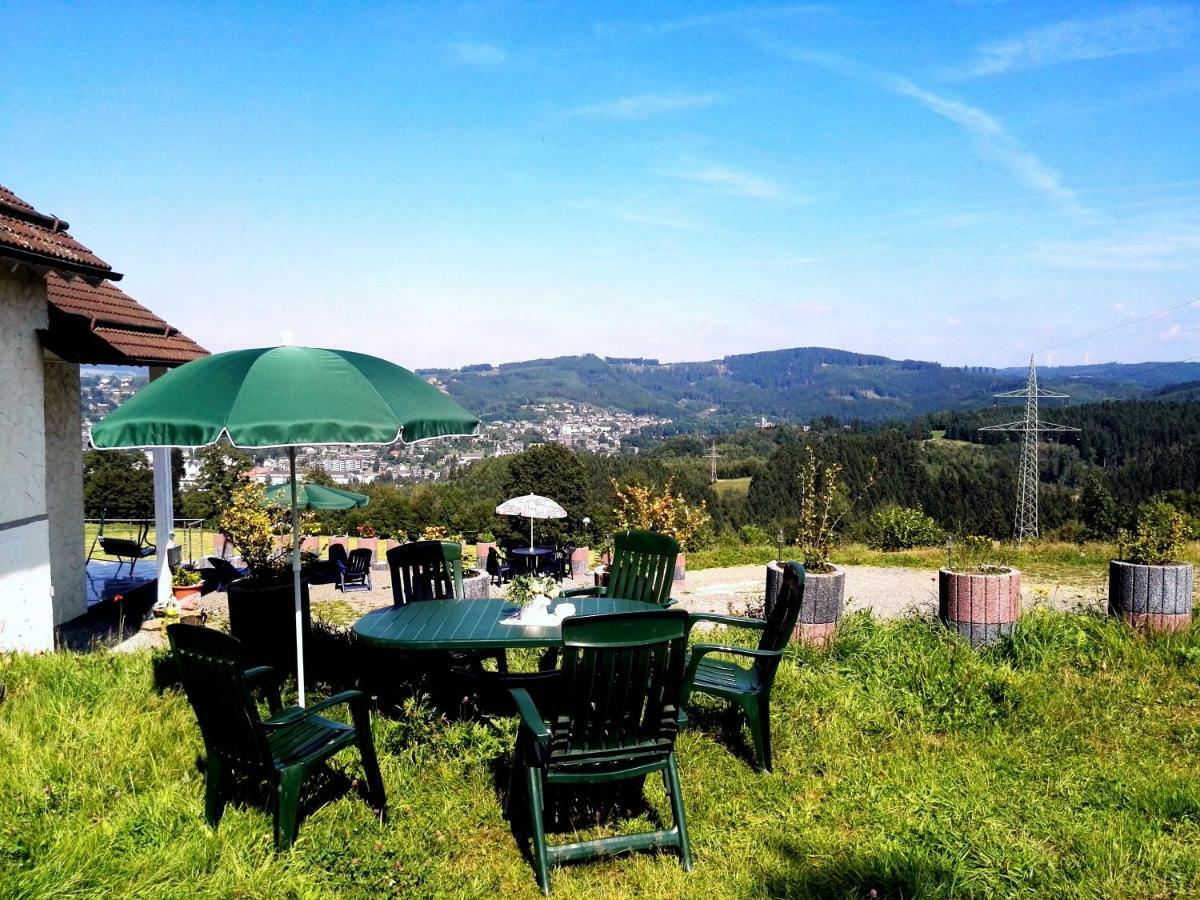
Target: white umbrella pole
[531, 532]
[296, 578]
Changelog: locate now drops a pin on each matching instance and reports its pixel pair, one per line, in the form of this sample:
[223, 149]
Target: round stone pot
[821, 608]
[476, 585]
[580, 561]
[1157, 598]
[980, 608]
[263, 618]
[680, 567]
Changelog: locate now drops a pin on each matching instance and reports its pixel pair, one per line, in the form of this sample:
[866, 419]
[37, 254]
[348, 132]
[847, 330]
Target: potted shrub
[824, 503]
[185, 583]
[1148, 586]
[262, 604]
[664, 511]
[979, 594]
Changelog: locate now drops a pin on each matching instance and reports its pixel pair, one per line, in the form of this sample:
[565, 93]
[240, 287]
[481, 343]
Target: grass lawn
[1065, 762]
[1044, 560]
[733, 487]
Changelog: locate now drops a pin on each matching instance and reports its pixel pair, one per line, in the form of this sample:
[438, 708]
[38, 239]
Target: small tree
[664, 511]
[824, 504]
[1158, 538]
[901, 528]
[1098, 508]
[251, 524]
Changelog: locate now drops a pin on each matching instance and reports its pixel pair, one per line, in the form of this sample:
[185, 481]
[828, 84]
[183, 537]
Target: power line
[1126, 323]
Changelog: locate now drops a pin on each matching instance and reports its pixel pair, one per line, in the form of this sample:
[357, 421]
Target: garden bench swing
[124, 549]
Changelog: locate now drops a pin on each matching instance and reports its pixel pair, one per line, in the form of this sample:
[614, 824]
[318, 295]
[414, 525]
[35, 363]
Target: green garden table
[471, 624]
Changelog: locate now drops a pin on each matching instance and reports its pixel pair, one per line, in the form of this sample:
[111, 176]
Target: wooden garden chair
[643, 568]
[749, 687]
[283, 749]
[614, 716]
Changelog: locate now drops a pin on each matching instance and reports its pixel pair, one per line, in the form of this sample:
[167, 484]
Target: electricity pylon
[712, 455]
[1025, 523]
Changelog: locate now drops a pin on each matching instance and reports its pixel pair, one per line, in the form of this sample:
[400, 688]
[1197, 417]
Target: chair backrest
[643, 566]
[225, 571]
[425, 570]
[337, 553]
[492, 564]
[211, 667]
[359, 561]
[621, 686]
[782, 620]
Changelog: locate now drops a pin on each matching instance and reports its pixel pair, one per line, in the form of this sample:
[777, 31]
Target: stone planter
[980, 608]
[821, 608]
[580, 561]
[339, 539]
[366, 543]
[476, 585]
[680, 567]
[263, 618]
[481, 551]
[1157, 598]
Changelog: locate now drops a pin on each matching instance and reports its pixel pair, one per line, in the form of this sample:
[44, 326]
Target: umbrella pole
[296, 578]
[531, 532]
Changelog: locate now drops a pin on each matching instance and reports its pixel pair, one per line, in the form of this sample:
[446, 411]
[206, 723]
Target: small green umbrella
[315, 496]
[284, 397]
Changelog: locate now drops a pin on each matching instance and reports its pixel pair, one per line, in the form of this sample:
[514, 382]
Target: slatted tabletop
[471, 624]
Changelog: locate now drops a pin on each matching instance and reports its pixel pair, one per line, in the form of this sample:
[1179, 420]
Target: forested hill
[794, 385]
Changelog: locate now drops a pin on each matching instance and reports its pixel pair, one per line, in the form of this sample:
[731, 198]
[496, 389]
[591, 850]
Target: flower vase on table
[533, 594]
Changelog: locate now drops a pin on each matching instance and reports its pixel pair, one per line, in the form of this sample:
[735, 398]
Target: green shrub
[1158, 537]
[901, 528]
[753, 534]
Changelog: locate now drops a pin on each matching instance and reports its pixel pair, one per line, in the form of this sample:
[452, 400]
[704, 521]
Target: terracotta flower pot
[1158, 598]
[182, 591]
[981, 608]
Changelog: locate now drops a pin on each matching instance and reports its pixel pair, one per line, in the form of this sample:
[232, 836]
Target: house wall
[26, 593]
[64, 489]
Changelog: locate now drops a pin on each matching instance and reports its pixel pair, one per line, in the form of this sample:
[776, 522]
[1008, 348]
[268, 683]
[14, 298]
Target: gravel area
[887, 592]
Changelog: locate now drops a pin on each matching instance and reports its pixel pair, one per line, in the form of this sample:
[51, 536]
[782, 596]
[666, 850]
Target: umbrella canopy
[535, 507]
[316, 496]
[284, 397]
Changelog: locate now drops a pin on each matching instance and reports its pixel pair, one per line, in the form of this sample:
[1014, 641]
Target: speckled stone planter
[980, 608]
[476, 585]
[1157, 598]
[680, 567]
[821, 608]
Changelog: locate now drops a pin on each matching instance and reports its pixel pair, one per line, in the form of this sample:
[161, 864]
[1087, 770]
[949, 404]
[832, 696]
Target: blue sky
[448, 183]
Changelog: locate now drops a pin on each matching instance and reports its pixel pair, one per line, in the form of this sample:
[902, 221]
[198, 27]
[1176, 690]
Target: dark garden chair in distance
[499, 571]
[282, 749]
[749, 687]
[643, 568]
[614, 716]
[356, 576]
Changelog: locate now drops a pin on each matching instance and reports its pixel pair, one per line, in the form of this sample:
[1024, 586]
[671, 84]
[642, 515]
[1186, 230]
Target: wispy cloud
[645, 106]
[1139, 30]
[1162, 250]
[993, 140]
[475, 53]
[1171, 333]
[641, 211]
[731, 181]
[749, 15]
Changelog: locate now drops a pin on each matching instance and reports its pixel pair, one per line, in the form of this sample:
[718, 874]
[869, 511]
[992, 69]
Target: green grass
[1043, 561]
[1063, 763]
[733, 487]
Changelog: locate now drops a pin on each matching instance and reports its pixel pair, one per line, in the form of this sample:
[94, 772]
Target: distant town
[576, 425]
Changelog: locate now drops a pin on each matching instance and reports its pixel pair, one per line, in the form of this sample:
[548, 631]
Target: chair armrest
[295, 714]
[728, 621]
[530, 717]
[699, 651]
[265, 678]
[581, 592]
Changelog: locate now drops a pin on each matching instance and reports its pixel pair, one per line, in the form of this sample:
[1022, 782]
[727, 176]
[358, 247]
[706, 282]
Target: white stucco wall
[26, 605]
[64, 489]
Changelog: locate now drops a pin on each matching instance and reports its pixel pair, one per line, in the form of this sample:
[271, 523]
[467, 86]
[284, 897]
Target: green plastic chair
[283, 749]
[426, 570]
[614, 715]
[643, 568]
[749, 687]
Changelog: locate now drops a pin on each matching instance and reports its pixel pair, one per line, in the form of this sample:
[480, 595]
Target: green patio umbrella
[315, 496]
[284, 397]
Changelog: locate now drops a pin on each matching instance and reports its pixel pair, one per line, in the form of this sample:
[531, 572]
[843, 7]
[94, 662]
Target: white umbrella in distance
[533, 506]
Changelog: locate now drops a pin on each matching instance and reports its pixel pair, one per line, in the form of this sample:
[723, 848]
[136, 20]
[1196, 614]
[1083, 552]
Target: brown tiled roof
[29, 236]
[103, 324]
